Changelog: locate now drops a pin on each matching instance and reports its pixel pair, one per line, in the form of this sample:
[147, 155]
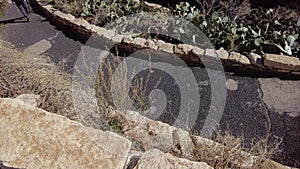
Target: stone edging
[158, 135]
[270, 63]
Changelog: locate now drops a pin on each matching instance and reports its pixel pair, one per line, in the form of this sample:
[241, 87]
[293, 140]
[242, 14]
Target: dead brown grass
[228, 152]
[125, 92]
[24, 74]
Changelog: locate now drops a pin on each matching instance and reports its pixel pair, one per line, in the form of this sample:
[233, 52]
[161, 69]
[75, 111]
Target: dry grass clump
[114, 88]
[228, 152]
[24, 74]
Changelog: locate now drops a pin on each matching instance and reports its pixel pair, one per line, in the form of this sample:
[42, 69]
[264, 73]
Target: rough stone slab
[156, 134]
[186, 143]
[234, 57]
[139, 42]
[32, 138]
[282, 96]
[222, 54]
[244, 60]
[155, 159]
[167, 47]
[282, 62]
[38, 48]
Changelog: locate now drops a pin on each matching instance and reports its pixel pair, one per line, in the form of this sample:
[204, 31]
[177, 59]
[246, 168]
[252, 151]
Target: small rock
[232, 84]
[30, 99]
[139, 42]
[244, 60]
[118, 38]
[210, 53]
[222, 54]
[49, 8]
[94, 28]
[255, 59]
[128, 39]
[183, 49]
[100, 31]
[198, 51]
[150, 44]
[109, 34]
[82, 23]
[234, 57]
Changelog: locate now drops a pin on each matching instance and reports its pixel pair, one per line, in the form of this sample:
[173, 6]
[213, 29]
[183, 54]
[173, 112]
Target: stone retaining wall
[32, 138]
[270, 63]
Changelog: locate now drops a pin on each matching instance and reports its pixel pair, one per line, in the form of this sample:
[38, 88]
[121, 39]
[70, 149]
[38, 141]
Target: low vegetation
[229, 151]
[230, 24]
[21, 73]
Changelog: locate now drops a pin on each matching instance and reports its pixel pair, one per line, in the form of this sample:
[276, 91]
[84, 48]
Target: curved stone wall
[269, 64]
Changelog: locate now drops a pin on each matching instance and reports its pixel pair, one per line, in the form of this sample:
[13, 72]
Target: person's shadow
[15, 20]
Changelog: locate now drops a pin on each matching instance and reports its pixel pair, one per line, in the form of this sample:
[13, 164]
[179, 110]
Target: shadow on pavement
[15, 20]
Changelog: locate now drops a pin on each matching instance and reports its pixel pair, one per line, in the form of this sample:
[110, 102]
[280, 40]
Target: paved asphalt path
[245, 111]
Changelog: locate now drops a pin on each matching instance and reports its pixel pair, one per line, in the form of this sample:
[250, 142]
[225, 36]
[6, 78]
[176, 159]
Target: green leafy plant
[116, 126]
[227, 23]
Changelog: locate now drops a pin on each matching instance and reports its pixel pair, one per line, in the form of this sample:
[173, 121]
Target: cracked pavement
[255, 108]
